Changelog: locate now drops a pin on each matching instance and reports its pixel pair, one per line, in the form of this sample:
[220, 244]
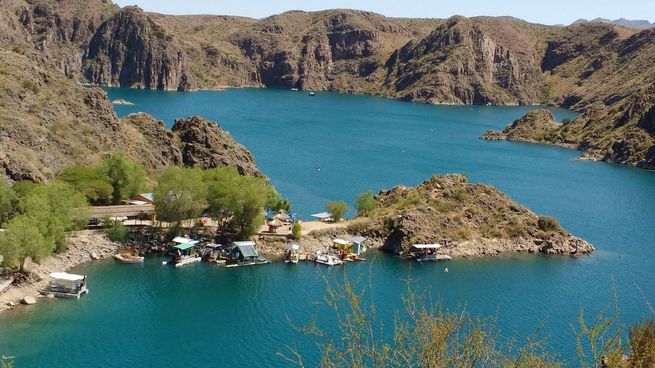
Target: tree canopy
[8, 203]
[365, 203]
[180, 194]
[44, 214]
[90, 181]
[238, 199]
[126, 177]
[336, 209]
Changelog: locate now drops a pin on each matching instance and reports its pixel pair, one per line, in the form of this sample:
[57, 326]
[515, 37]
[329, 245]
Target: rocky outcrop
[470, 220]
[50, 122]
[132, 50]
[205, 145]
[537, 126]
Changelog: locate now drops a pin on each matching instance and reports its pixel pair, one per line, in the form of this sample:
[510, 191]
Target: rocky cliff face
[132, 50]
[204, 144]
[465, 61]
[469, 219]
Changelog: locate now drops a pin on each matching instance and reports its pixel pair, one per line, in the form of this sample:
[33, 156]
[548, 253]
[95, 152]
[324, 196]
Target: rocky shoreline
[83, 246]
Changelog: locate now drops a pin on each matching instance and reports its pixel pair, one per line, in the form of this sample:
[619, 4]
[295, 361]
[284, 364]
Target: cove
[205, 316]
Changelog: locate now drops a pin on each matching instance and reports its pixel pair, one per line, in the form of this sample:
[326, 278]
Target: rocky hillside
[602, 70]
[470, 219]
[130, 50]
[48, 122]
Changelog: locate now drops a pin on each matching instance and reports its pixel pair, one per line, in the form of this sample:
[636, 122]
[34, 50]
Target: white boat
[67, 285]
[128, 258]
[427, 253]
[312, 93]
[327, 259]
[291, 253]
[294, 89]
[185, 260]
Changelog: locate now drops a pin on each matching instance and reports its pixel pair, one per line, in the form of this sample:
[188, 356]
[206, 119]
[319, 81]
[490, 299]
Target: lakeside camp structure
[244, 253]
[184, 252]
[323, 216]
[67, 285]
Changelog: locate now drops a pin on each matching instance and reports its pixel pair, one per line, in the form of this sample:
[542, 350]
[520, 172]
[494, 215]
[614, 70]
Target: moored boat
[327, 259]
[67, 285]
[128, 258]
[427, 253]
[291, 254]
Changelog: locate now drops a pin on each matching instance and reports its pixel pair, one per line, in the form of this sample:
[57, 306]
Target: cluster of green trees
[364, 205]
[36, 218]
[235, 201]
[109, 182]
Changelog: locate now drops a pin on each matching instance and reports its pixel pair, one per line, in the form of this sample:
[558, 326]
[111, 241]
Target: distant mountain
[628, 23]
[602, 70]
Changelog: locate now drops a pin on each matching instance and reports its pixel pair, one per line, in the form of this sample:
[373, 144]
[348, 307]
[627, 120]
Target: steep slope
[469, 61]
[468, 219]
[131, 50]
[612, 80]
[48, 122]
[59, 31]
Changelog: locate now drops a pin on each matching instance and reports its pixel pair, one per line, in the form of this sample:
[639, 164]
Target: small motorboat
[327, 259]
[291, 254]
[294, 89]
[312, 94]
[128, 258]
[358, 259]
[128, 255]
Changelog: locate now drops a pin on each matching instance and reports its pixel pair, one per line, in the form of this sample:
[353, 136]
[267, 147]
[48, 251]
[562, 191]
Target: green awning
[185, 246]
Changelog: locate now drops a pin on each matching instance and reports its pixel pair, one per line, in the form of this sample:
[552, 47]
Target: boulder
[28, 300]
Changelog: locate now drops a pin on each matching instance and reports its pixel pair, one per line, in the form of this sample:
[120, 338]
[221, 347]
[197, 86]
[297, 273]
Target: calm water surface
[332, 147]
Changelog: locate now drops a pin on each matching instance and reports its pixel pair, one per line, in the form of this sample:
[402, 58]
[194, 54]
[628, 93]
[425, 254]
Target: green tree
[21, 239]
[8, 203]
[276, 202]
[365, 203]
[336, 209]
[296, 231]
[56, 208]
[126, 177]
[180, 194]
[90, 181]
[239, 200]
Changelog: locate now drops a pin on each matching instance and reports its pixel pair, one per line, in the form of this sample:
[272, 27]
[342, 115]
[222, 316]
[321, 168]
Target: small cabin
[244, 251]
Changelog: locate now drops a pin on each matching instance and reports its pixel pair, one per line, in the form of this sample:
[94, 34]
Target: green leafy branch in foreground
[426, 335]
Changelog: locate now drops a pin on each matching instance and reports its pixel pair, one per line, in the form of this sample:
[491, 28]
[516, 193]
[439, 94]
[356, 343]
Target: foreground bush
[425, 335]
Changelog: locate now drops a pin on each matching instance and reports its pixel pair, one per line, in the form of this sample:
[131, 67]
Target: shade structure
[275, 223]
[427, 246]
[292, 246]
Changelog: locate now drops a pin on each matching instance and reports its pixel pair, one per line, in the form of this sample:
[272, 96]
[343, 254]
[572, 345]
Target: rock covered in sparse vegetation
[537, 126]
[469, 219]
[205, 145]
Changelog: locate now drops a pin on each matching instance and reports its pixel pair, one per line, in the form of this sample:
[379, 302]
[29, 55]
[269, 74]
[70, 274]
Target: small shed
[358, 247]
[244, 251]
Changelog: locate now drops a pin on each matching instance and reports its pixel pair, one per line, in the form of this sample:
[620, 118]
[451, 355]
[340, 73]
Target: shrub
[296, 231]
[365, 203]
[8, 203]
[642, 344]
[357, 226]
[336, 209]
[547, 223]
[30, 86]
[276, 202]
[116, 231]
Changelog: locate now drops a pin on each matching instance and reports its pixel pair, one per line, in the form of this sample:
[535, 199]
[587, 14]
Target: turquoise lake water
[149, 315]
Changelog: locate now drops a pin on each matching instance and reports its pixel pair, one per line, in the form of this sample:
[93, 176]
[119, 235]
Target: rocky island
[469, 220]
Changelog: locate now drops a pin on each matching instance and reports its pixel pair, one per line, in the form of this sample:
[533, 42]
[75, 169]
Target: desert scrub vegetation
[425, 334]
[30, 86]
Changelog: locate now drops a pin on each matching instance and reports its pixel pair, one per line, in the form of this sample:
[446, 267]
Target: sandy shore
[80, 247]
